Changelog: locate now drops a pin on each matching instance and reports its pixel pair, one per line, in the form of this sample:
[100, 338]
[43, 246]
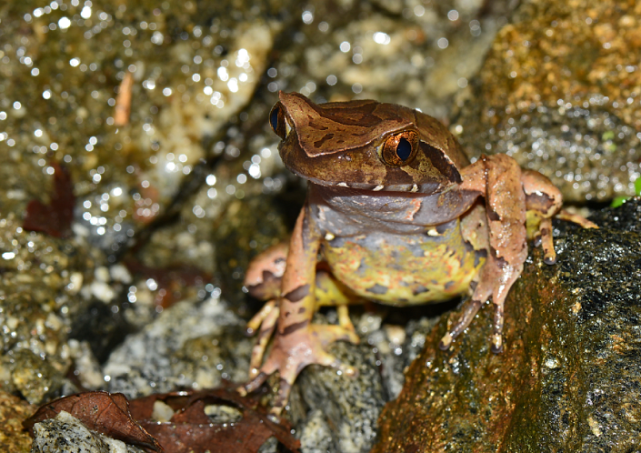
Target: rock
[338, 411]
[66, 434]
[192, 69]
[192, 345]
[568, 379]
[13, 411]
[560, 91]
[404, 52]
[248, 227]
[41, 295]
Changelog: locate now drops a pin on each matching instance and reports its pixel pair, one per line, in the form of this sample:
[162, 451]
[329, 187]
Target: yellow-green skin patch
[404, 269]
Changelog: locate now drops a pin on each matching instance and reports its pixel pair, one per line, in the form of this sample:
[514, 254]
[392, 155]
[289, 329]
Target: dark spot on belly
[301, 310]
[297, 294]
[448, 285]
[420, 289]
[478, 255]
[294, 327]
[377, 289]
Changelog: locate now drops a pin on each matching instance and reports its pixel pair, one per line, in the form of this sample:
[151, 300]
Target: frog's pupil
[404, 149]
[273, 119]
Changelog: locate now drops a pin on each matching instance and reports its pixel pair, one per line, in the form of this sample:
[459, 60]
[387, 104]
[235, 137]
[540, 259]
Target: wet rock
[568, 378]
[13, 411]
[32, 376]
[66, 434]
[34, 357]
[102, 327]
[338, 411]
[86, 367]
[190, 345]
[132, 97]
[44, 287]
[559, 91]
[248, 227]
[316, 435]
[415, 54]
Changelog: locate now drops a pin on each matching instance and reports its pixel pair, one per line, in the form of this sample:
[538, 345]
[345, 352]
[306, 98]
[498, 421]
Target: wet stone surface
[45, 285]
[345, 408]
[66, 434]
[191, 345]
[169, 204]
[13, 411]
[560, 93]
[569, 376]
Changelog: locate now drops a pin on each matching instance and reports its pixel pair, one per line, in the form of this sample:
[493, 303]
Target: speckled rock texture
[337, 412]
[66, 434]
[560, 91]
[569, 378]
[170, 205]
[191, 345]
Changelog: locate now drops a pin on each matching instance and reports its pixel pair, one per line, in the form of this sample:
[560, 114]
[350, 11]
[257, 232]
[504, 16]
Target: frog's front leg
[498, 179]
[297, 343]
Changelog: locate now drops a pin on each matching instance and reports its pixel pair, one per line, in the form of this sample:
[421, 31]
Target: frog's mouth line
[424, 189]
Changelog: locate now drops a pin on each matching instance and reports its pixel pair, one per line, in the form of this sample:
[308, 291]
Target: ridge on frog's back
[398, 215]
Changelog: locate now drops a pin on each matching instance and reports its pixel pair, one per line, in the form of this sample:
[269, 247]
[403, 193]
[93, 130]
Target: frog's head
[366, 145]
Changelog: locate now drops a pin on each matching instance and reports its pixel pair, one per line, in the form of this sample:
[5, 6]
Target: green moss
[618, 201]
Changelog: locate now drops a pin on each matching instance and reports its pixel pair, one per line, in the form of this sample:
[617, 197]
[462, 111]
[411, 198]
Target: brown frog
[395, 213]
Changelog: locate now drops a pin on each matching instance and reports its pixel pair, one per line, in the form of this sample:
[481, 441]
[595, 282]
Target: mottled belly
[405, 269]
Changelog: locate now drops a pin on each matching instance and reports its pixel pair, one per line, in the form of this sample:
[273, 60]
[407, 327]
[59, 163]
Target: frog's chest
[404, 269]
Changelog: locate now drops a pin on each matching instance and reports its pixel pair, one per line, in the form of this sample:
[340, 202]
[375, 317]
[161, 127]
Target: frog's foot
[494, 271]
[265, 319]
[469, 311]
[482, 292]
[470, 308]
[543, 238]
[543, 235]
[575, 218]
[294, 351]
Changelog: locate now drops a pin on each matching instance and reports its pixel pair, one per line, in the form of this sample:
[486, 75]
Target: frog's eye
[400, 149]
[277, 121]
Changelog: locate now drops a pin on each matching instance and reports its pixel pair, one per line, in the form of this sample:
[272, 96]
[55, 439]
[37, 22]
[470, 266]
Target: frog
[397, 214]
